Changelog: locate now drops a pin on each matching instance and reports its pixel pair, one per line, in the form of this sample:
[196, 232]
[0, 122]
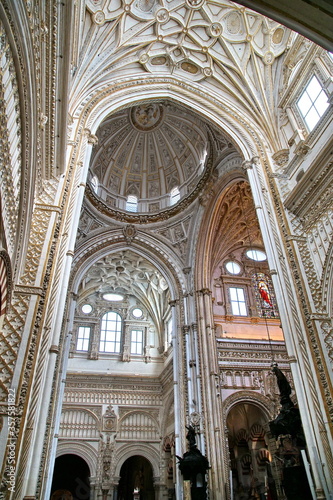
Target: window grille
[110, 332]
[83, 338]
[237, 299]
[312, 103]
[136, 342]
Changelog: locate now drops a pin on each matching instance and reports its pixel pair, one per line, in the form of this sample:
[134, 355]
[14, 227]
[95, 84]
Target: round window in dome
[257, 255]
[232, 267]
[86, 308]
[137, 313]
[113, 297]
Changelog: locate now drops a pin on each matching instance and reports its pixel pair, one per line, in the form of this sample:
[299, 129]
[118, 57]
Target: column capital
[204, 291]
[186, 329]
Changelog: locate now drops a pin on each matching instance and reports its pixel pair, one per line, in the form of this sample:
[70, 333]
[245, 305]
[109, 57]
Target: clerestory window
[111, 327]
[83, 338]
[237, 301]
[136, 342]
[94, 183]
[313, 103]
[132, 203]
[174, 196]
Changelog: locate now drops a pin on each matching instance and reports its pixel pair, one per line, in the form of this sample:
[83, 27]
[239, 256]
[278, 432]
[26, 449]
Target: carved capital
[281, 157]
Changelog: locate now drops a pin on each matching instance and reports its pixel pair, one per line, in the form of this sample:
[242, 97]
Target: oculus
[86, 308]
[137, 313]
[232, 267]
[257, 255]
[113, 297]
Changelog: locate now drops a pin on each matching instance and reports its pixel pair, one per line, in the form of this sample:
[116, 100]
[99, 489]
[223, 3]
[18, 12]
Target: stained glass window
[264, 296]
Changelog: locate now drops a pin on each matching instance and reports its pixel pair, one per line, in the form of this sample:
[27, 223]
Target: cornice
[161, 215]
[293, 57]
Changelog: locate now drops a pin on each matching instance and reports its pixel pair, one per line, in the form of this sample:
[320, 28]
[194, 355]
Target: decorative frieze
[10, 133]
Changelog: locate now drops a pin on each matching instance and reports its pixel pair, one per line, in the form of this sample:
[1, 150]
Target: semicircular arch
[91, 112]
[141, 449]
[82, 450]
[157, 254]
[250, 397]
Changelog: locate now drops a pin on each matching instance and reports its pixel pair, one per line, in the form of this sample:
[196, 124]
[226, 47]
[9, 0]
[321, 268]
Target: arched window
[132, 203]
[174, 195]
[110, 332]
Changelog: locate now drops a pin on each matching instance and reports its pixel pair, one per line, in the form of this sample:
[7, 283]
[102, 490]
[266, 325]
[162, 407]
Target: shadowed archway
[136, 476]
[71, 475]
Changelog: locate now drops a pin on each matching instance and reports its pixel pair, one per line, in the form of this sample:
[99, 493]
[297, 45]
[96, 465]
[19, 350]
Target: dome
[154, 152]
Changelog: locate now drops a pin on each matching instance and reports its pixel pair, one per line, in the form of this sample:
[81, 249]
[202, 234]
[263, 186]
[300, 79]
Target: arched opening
[70, 478]
[136, 479]
[250, 457]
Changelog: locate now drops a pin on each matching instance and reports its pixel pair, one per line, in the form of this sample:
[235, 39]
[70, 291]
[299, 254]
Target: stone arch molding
[89, 114]
[145, 246]
[326, 324]
[327, 283]
[83, 450]
[139, 418]
[253, 398]
[210, 220]
[145, 450]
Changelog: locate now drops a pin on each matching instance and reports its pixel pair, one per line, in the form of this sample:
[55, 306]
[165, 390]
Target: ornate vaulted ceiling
[129, 274]
[236, 224]
[149, 149]
[232, 52]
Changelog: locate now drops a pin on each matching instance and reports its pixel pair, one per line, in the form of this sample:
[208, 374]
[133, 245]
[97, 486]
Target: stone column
[218, 473]
[178, 383]
[294, 328]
